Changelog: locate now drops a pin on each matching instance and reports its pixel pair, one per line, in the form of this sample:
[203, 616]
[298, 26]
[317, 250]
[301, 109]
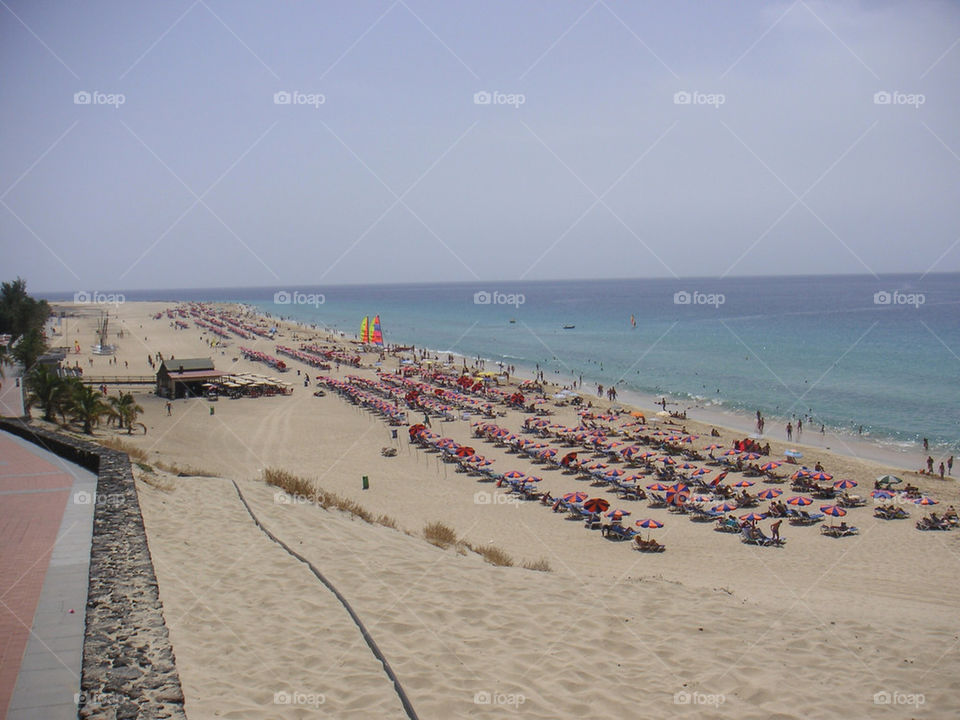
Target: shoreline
[731, 420]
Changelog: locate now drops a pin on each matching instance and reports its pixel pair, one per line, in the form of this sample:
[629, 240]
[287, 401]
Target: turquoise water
[788, 346]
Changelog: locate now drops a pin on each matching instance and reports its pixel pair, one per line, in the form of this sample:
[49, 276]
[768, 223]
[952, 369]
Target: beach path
[45, 541]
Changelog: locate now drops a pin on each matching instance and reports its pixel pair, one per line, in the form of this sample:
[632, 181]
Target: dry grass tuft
[174, 469]
[443, 536]
[133, 451]
[494, 555]
[301, 487]
[386, 521]
[540, 565]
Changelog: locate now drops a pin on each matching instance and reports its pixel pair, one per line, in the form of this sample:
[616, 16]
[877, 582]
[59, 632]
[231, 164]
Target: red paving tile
[29, 523]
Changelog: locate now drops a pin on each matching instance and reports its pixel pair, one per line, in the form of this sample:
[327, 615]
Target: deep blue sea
[848, 350]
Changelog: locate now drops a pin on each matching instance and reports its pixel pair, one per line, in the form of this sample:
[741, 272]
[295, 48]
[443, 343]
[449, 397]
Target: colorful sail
[365, 329]
[376, 335]
[633, 321]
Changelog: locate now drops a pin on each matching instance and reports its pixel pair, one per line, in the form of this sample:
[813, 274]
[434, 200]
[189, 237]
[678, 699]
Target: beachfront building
[185, 377]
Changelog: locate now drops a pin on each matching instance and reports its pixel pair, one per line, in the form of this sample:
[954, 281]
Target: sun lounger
[727, 526]
[618, 532]
[648, 545]
[837, 531]
[657, 500]
[804, 518]
[931, 524]
[699, 514]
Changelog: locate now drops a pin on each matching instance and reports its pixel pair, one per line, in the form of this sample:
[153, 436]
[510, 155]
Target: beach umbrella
[479, 461]
[657, 487]
[752, 517]
[617, 514]
[593, 467]
[629, 451]
[725, 507]
[632, 479]
[464, 451]
[769, 493]
[700, 473]
[700, 498]
[845, 484]
[414, 429]
[800, 500]
[729, 453]
[547, 453]
[596, 505]
[881, 494]
[821, 476]
[773, 465]
[687, 466]
[514, 475]
[833, 510]
[800, 474]
[793, 453]
[575, 497]
[926, 501]
[649, 524]
[532, 478]
[743, 483]
[677, 494]
[568, 458]
[668, 460]
[615, 472]
[647, 455]
[751, 456]
[689, 438]
[889, 480]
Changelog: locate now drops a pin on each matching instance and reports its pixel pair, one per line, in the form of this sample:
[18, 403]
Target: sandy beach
[863, 626]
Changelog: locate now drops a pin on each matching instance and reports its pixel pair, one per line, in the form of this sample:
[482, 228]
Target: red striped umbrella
[927, 501]
[845, 484]
[743, 483]
[773, 465]
[596, 505]
[821, 476]
[725, 507]
[752, 517]
[657, 487]
[834, 510]
[800, 501]
[769, 493]
[575, 497]
[514, 475]
[650, 523]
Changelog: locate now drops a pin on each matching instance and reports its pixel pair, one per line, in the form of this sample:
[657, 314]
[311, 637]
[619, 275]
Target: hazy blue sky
[785, 162]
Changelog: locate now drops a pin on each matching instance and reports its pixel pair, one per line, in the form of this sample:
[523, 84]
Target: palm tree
[88, 407]
[46, 389]
[125, 409]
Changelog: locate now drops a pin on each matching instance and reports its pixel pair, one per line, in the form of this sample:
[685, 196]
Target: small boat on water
[569, 327]
[512, 321]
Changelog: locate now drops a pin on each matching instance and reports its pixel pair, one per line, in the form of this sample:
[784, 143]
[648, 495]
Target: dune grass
[540, 565]
[494, 555]
[443, 536]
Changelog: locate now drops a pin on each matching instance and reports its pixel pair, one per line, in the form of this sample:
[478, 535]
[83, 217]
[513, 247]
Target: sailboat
[365, 329]
[376, 335]
[102, 347]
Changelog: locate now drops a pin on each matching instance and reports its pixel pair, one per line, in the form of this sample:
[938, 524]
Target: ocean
[843, 351]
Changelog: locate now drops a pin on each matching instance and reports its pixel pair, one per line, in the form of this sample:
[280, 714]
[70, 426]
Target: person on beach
[775, 530]
[950, 465]
[169, 407]
[926, 445]
[789, 431]
[929, 464]
[799, 428]
[941, 469]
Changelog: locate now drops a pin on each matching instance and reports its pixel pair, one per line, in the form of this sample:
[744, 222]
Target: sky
[217, 143]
